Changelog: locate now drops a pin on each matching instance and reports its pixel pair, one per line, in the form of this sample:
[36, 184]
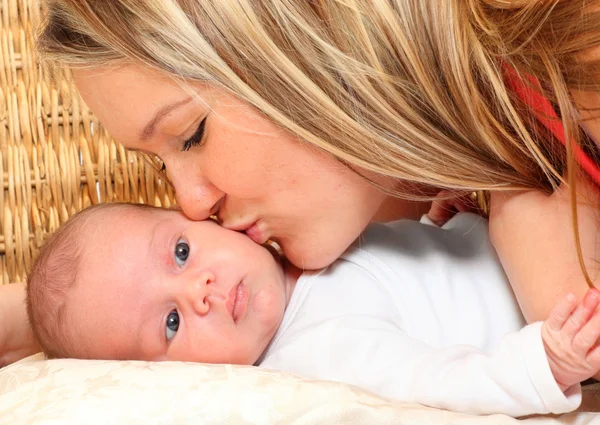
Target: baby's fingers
[582, 313]
[593, 358]
[587, 337]
[561, 312]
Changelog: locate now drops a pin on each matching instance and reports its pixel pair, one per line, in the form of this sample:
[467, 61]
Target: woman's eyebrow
[148, 131]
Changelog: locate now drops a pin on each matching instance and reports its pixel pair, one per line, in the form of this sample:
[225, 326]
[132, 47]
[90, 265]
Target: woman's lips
[237, 301]
[256, 234]
[254, 231]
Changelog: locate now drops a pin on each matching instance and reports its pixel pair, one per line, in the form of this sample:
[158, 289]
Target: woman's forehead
[126, 89]
[133, 103]
[137, 82]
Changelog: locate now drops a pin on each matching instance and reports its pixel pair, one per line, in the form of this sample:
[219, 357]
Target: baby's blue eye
[182, 251]
[172, 325]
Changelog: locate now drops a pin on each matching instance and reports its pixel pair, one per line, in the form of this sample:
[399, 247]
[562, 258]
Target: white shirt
[420, 314]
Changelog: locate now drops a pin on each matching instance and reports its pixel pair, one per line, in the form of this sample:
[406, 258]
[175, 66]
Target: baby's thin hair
[53, 274]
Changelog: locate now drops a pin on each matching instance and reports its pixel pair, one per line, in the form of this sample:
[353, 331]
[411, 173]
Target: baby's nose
[198, 292]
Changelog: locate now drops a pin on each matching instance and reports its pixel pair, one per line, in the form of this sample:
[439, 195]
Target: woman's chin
[310, 257]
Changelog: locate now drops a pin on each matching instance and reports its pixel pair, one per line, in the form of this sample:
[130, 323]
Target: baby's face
[154, 285]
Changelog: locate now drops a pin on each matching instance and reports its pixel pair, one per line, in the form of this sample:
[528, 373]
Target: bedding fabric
[38, 391]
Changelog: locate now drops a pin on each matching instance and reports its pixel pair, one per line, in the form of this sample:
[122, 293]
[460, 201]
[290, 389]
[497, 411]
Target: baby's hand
[570, 336]
[444, 207]
[16, 336]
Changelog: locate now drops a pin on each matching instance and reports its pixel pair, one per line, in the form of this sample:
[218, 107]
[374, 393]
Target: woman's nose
[198, 290]
[197, 197]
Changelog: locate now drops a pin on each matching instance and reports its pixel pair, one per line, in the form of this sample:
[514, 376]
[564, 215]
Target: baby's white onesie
[420, 314]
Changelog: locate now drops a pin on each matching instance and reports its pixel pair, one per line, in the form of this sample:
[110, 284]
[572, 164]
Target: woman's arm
[16, 337]
[533, 232]
[588, 102]
[533, 235]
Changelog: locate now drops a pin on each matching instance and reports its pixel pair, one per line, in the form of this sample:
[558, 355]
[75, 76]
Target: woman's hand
[570, 336]
[16, 337]
[533, 235]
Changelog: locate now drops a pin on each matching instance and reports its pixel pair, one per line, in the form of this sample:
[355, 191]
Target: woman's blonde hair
[413, 89]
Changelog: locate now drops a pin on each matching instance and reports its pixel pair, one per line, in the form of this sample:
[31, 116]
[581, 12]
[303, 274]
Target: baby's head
[124, 281]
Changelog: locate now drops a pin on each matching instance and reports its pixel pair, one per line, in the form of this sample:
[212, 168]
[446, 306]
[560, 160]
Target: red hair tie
[546, 114]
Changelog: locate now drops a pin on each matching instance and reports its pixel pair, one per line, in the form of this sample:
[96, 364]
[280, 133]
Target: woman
[304, 121]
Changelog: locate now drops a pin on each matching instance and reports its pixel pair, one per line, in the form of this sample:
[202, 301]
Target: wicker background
[55, 159]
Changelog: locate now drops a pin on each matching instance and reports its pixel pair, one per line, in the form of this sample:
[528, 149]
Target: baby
[411, 311]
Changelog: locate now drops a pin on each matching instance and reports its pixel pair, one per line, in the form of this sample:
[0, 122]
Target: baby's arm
[16, 337]
[375, 354]
[533, 235]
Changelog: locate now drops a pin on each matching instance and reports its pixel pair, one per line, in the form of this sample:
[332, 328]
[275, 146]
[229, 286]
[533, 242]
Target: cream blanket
[38, 391]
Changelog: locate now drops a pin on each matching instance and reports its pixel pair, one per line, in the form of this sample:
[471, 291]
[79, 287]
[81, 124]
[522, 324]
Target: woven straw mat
[55, 159]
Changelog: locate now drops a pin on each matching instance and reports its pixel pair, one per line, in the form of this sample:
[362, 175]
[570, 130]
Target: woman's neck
[396, 209]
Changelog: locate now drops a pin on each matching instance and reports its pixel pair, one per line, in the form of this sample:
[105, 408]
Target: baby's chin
[263, 346]
[259, 358]
[247, 358]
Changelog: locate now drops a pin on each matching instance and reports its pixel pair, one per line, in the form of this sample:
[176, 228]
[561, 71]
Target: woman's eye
[196, 139]
[172, 325]
[182, 252]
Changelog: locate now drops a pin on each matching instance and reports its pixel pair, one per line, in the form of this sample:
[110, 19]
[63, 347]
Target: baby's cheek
[269, 305]
[167, 260]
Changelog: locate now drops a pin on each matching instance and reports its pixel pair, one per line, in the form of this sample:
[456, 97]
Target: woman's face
[225, 158]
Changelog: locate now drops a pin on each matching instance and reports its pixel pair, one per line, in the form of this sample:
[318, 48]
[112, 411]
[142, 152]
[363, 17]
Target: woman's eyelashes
[171, 325]
[196, 139]
[182, 252]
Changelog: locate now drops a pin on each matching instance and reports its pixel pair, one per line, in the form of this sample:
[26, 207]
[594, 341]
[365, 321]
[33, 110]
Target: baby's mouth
[237, 301]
